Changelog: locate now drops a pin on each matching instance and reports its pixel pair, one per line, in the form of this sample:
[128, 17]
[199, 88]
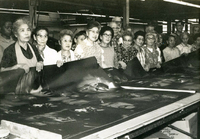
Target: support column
[198, 122]
[169, 27]
[126, 14]
[173, 28]
[186, 25]
[32, 12]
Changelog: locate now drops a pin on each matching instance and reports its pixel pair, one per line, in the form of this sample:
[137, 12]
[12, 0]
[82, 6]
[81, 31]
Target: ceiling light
[183, 3]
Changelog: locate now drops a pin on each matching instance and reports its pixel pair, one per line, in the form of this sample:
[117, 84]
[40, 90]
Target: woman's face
[171, 42]
[93, 34]
[196, 30]
[23, 33]
[106, 37]
[7, 29]
[150, 40]
[198, 41]
[41, 37]
[115, 28]
[66, 42]
[127, 41]
[179, 27]
[185, 39]
[139, 41]
[80, 39]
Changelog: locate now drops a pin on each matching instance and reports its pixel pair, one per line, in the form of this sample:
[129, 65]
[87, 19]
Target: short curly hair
[38, 28]
[139, 33]
[65, 32]
[150, 34]
[104, 29]
[127, 33]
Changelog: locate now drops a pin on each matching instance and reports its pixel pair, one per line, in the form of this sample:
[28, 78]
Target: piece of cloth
[184, 48]
[1, 53]
[65, 59]
[151, 57]
[194, 47]
[49, 55]
[108, 58]
[171, 53]
[4, 43]
[141, 57]
[25, 57]
[126, 55]
[87, 49]
[9, 58]
[178, 38]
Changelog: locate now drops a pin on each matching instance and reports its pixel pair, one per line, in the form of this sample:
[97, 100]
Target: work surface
[76, 115]
[92, 110]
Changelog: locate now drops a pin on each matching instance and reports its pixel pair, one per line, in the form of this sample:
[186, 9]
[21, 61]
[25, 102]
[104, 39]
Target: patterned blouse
[87, 49]
[171, 53]
[184, 48]
[152, 57]
[126, 55]
[141, 56]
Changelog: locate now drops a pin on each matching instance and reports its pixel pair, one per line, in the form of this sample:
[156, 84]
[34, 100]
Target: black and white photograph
[99, 69]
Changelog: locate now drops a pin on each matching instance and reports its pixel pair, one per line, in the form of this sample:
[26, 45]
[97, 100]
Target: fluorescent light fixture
[183, 3]
[137, 23]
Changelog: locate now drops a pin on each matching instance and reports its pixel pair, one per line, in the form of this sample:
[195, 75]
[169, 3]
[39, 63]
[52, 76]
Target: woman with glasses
[48, 54]
[152, 52]
[108, 55]
[90, 47]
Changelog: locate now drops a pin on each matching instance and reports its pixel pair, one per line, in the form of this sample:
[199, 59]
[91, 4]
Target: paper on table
[158, 89]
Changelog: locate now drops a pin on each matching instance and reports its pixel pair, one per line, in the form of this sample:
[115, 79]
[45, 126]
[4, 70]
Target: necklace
[66, 56]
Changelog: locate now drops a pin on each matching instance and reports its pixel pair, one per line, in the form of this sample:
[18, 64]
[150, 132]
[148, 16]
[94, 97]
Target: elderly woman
[48, 54]
[90, 47]
[138, 44]
[108, 55]
[65, 54]
[126, 52]
[184, 47]
[21, 54]
[152, 52]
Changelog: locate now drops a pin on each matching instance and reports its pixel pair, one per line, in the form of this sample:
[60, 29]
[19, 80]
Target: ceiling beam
[76, 4]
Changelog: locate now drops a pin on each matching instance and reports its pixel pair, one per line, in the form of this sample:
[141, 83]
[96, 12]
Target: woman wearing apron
[21, 54]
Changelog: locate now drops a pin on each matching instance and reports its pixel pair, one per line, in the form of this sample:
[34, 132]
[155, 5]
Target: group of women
[111, 47]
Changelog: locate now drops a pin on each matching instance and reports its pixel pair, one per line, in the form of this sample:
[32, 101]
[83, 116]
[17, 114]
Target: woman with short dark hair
[138, 44]
[108, 55]
[90, 47]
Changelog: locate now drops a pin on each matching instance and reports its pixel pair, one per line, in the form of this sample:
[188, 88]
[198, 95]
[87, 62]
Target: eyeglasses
[107, 35]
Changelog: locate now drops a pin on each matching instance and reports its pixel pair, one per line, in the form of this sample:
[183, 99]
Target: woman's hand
[158, 65]
[59, 63]
[39, 66]
[147, 67]
[22, 66]
[122, 65]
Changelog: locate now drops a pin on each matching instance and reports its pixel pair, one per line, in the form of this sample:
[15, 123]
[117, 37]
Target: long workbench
[116, 113]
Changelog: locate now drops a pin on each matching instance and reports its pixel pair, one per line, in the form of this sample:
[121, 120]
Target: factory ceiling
[73, 11]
